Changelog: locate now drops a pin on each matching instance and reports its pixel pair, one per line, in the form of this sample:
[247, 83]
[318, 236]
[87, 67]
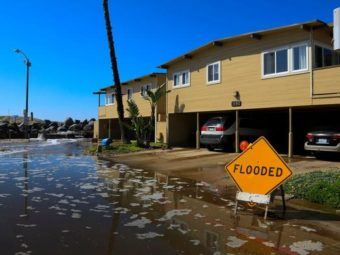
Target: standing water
[56, 200]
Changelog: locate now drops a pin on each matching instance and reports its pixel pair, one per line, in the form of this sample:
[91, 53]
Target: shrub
[318, 187]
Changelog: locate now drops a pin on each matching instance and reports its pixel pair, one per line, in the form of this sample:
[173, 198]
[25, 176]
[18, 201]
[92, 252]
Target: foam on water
[50, 142]
[35, 143]
[8, 152]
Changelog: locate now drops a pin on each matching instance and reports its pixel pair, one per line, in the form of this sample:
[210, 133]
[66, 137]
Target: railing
[101, 112]
[327, 81]
[107, 111]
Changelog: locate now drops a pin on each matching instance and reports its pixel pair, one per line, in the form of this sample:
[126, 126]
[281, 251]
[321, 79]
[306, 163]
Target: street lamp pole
[28, 65]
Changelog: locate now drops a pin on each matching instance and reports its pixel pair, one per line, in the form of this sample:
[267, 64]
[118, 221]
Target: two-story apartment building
[288, 76]
[107, 124]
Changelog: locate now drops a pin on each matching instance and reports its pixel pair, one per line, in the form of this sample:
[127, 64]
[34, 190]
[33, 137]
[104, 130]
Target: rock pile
[68, 128]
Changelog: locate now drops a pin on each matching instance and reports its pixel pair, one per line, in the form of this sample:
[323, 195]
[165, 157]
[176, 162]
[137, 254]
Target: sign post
[257, 172]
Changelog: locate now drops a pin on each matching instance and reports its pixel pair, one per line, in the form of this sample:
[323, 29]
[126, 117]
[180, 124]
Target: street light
[28, 65]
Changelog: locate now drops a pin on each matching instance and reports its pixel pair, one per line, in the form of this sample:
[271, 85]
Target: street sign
[259, 169]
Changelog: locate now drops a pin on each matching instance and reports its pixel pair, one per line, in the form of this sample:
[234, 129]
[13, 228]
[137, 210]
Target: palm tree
[139, 125]
[115, 73]
[153, 97]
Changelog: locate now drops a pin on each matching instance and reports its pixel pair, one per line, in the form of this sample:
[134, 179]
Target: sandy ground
[204, 165]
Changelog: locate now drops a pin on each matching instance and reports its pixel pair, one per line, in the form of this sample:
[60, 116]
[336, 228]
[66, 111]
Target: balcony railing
[327, 81]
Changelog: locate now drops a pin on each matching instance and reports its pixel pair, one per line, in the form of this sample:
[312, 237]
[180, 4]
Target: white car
[219, 132]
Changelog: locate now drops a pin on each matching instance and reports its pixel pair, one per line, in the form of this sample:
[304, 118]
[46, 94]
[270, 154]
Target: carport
[109, 128]
[287, 127]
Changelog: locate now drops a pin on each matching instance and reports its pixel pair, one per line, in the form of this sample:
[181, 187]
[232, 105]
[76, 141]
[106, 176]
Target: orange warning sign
[259, 169]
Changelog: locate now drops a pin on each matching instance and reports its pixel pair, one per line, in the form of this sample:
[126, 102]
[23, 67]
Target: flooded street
[56, 200]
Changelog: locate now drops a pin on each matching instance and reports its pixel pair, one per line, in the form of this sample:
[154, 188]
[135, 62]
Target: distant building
[107, 124]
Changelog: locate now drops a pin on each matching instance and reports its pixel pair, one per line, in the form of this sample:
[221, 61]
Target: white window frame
[127, 93]
[111, 94]
[180, 80]
[173, 80]
[292, 46]
[276, 50]
[290, 60]
[143, 87]
[219, 73]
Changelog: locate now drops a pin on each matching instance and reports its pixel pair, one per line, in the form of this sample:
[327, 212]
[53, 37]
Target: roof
[154, 74]
[254, 35]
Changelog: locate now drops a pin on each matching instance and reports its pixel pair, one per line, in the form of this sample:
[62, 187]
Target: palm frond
[132, 109]
[150, 96]
[154, 96]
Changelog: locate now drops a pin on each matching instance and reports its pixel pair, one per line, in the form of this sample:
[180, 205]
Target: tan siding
[241, 71]
[161, 131]
[162, 102]
[327, 80]
[107, 112]
[143, 105]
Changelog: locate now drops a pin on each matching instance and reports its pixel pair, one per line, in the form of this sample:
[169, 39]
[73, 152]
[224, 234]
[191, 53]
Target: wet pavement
[56, 200]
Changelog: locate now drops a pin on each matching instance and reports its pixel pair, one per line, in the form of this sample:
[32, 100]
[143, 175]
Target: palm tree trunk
[152, 122]
[153, 109]
[114, 66]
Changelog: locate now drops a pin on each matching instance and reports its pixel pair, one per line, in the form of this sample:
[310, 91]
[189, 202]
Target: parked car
[219, 132]
[323, 140]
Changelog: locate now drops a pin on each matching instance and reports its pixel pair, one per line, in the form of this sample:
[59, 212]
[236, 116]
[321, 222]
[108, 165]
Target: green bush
[119, 147]
[318, 187]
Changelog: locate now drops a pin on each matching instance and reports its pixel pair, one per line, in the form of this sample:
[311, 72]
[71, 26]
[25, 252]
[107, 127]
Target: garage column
[109, 128]
[237, 132]
[198, 142]
[290, 134]
[167, 126]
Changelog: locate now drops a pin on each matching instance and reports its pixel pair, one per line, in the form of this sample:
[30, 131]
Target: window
[318, 56]
[181, 79]
[300, 57]
[185, 78]
[285, 60]
[110, 98]
[327, 57]
[213, 72]
[144, 89]
[176, 79]
[324, 56]
[275, 62]
[269, 63]
[282, 61]
[129, 94]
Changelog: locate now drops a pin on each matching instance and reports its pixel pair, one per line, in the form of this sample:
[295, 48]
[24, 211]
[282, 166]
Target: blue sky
[66, 42]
